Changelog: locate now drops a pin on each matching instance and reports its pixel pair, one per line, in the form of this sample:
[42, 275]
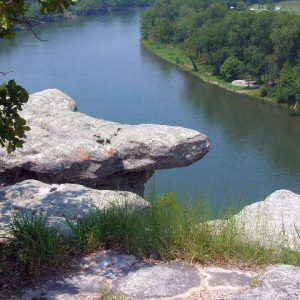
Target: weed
[168, 229]
[35, 244]
[106, 295]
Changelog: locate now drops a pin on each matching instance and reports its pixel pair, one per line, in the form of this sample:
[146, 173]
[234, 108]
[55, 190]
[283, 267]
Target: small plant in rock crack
[106, 295]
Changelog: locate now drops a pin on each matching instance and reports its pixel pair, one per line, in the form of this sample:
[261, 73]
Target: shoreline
[73, 14]
[174, 56]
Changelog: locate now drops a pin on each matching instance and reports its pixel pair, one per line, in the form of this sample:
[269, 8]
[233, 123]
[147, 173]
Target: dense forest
[237, 43]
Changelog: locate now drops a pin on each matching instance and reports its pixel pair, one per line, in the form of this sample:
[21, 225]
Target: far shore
[173, 55]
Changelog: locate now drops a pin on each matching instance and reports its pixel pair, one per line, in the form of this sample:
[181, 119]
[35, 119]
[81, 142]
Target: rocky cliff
[65, 146]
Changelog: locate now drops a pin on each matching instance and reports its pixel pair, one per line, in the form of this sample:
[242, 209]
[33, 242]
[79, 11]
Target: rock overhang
[66, 146]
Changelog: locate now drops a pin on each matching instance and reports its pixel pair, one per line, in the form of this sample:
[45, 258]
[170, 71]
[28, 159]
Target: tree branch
[5, 73]
[27, 22]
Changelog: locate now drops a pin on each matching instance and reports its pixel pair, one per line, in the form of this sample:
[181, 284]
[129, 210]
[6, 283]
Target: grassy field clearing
[290, 6]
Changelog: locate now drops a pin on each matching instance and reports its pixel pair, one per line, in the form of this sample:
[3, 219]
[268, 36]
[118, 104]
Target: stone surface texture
[59, 202]
[65, 146]
[127, 277]
[274, 222]
[278, 282]
[159, 281]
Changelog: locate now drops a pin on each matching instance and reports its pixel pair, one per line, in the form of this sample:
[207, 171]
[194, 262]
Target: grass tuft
[36, 244]
[168, 229]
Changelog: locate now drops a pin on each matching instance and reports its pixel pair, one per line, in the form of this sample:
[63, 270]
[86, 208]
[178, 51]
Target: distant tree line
[264, 1]
[237, 43]
[84, 7]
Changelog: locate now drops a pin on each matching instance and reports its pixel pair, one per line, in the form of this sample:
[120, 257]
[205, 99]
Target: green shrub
[263, 92]
[231, 68]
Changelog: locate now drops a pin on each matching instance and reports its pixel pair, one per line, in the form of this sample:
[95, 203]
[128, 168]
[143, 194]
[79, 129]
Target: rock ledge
[65, 146]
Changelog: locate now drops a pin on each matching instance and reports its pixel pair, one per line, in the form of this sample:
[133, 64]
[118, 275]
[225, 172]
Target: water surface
[100, 63]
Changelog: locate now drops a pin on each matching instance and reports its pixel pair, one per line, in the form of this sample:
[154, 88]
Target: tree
[255, 61]
[232, 42]
[189, 49]
[163, 30]
[288, 87]
[241, 6]
[231, 68]
[13, 96]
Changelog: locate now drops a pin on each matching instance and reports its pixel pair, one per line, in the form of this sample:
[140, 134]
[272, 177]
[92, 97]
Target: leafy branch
[13, 96]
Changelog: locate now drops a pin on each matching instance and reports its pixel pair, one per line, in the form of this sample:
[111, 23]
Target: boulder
[65, 146]
[159, 281]
[245, 83]
[57, 203]
[278, 282]
[274, 222]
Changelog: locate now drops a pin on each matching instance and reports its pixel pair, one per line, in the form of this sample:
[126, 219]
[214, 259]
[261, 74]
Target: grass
[290, 6]
[174, 55]
[106, 295]
[168, 230]
[37, 244]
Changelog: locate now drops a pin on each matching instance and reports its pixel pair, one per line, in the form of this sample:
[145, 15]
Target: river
[100, 63]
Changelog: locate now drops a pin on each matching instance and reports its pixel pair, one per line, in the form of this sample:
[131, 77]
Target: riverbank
[174, 55]
[82, 9]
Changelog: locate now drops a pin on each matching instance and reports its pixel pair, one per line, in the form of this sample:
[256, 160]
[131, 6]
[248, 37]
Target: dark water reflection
[100, 63]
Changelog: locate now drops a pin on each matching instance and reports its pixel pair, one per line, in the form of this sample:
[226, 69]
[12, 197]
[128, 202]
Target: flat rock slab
[65, 146]
[60, 202]
[279, 282]
[160, 281]
[220, 283]
[129, 278]
[219, 277]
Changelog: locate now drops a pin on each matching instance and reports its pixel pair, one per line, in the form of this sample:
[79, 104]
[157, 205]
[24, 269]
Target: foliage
[263, 92]
[83, 8]
[106, 295]
[35, 244]
[110, 228]
[13, 96]
[173, 54]
[26, 13]
[288, 87]
[168, 229]
[231, 68]
[12, 12]
[12, 126]
[211, 32]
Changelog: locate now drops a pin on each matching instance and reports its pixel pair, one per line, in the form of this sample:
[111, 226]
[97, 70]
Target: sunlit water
[100, 63]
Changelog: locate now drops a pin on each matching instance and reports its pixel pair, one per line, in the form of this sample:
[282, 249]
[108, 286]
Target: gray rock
[65, 146]
[274, 222]
[88, 281]
[160, 281]
[220, 283]
[59, 202]
[218, 277]
[279, 282]
[132, 279]
[127, 277]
